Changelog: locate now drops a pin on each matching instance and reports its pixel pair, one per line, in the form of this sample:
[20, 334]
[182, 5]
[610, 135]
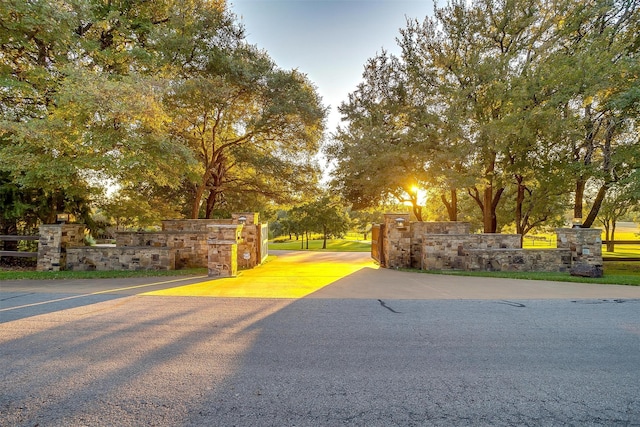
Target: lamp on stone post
[401, 223]
[242, 220]
[62, 218]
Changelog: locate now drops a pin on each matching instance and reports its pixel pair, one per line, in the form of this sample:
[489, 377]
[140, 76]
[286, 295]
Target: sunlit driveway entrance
[314, 338]
[288, 274]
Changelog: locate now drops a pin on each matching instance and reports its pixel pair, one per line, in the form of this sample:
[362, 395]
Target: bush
[281, 240]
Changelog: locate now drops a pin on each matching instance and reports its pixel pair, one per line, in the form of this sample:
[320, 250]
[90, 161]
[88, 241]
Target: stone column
[585, 245]
[249, 248]
[223, 249]
[53, 244]
[397, 241]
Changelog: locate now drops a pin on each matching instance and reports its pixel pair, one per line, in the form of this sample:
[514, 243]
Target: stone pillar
[223, 249]
[249, 248]
[53, 244]
[397, 241]
[585, 245]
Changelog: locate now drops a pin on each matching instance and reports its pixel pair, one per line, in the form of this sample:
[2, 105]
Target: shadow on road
[123, 357]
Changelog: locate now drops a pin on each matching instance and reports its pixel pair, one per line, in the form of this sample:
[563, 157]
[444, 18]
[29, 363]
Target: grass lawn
[334, 245]
[46, 275]
[615, 273]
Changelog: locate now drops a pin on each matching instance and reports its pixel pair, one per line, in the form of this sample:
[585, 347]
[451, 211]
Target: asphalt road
[111, 353]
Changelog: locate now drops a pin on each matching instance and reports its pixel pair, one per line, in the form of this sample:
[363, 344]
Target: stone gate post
[249, 247]
[223, 242]
[53, 244]
[586, 250]
[397, 241]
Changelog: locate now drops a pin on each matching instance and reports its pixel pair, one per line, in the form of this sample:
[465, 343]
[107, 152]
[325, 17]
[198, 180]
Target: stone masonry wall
[448, 245]
[223, 249]
[551, 260]
[585, 245]
[249, 245]
[191, 224]
[123, 258]
[450, 251]
[397, 241]
[54, 241]
[191, 249]
[420, 229]
[181, 244]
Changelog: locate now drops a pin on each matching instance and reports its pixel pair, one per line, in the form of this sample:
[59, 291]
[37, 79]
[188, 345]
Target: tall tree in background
[474, 57]
[595, 75]
[622, 198]
[383, 150]
[97, 91]
[80, 100]
[252, 127]
[510, 101]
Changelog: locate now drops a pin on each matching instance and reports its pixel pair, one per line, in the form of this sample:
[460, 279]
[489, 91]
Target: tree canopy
[514, 105]
[164, 100]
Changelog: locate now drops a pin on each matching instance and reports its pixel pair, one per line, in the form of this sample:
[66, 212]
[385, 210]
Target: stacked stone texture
[449, 245]
[191, 249]
[451, 251]
[249, 248]
[550, 260]
[585, 245]
[54, 241]
[191, 225]
[223, 249]
[120, 258]
[181, 244]
[420, 229]
[397, 242]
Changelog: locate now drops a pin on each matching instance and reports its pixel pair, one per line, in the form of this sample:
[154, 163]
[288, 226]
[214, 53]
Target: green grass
[615, 273]
[46, 275]
[629, 251]
[335, 245]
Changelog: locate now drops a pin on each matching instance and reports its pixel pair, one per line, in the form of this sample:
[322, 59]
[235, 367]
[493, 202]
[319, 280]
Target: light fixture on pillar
[242, 219]
[576, 223]
[401, 222]
[62, 218]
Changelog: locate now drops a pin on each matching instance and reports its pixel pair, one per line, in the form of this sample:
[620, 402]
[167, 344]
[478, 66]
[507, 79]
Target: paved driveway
[298, 274]
[351, 345]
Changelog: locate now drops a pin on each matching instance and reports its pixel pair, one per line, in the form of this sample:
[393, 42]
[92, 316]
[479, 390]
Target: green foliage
[163, 98]
[325, 215]
[511, 105]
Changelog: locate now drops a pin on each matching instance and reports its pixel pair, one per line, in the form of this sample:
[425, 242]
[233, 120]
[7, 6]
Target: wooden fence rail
[20, 254]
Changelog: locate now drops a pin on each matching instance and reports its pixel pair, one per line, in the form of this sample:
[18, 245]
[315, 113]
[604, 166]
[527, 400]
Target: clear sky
[329, 40]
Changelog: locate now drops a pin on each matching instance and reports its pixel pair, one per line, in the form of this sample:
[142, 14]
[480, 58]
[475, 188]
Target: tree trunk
[519, 202]
[579, 197]
[490, 203]
[452, 207]
[197, 199]
[612, 246]
[324, 241]
[607, 234]
[212, 200]
[597, 203]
